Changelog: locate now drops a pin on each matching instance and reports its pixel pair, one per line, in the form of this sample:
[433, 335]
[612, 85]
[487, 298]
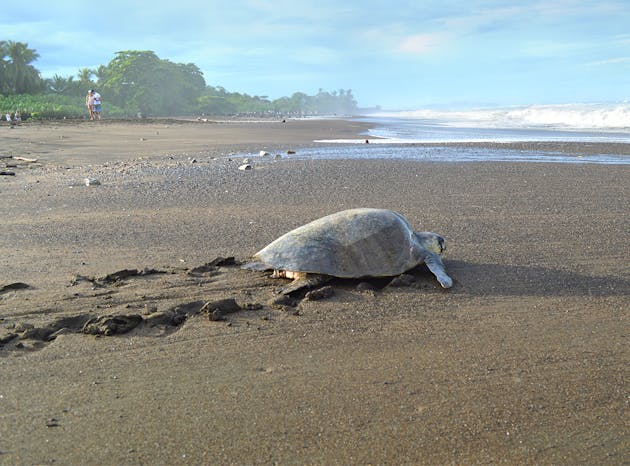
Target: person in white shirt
[97, 104]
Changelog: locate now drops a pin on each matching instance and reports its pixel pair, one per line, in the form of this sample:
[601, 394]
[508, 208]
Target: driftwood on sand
[24, 159]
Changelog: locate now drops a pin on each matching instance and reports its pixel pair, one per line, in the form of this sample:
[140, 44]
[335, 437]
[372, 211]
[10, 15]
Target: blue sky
[397, 54]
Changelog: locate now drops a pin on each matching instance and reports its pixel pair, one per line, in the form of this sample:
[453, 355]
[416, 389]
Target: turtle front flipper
[302, 281]
[436, 266]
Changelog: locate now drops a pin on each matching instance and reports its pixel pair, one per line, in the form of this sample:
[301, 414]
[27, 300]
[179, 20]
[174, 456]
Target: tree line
[139, 83]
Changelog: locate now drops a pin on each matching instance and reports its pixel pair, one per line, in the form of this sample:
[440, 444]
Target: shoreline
[88, 142]
[567, 147]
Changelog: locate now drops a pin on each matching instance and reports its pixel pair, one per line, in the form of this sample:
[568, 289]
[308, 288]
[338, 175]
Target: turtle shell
[351, 243]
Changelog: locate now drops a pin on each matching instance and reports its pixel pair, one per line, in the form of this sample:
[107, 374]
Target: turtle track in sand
[24, 335]
[158, 301]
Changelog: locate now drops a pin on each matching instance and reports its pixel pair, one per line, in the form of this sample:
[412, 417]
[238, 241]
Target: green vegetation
[50, 106]
[17, 75]
[140, 83]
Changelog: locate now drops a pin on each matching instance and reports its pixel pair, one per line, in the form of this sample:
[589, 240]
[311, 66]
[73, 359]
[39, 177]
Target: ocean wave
[566, 116]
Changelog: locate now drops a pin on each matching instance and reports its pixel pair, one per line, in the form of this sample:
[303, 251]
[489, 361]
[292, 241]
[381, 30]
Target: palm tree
[85, 78]
[3, 67]
[60, 85]
[20, 76]
[100, 73]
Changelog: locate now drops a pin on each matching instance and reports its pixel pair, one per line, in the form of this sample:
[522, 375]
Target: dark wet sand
[523, 361]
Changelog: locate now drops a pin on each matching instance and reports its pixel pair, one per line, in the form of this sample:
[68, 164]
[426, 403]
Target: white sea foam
[568, 116]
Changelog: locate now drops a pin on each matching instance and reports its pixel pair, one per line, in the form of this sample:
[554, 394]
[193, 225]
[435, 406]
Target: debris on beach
[290, 152]
[245, 166]
[264, 153]
[24, 159]
[91, 182]
[278, 156]
[20, 162]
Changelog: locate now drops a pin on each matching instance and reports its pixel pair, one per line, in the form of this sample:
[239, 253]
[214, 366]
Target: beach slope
[523, 361]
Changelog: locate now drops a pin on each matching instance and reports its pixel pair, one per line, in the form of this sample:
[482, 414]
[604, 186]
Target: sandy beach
[523, 361]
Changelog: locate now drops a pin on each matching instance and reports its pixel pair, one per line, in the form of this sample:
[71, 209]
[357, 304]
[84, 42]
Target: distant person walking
[89, 103]
[97, 105]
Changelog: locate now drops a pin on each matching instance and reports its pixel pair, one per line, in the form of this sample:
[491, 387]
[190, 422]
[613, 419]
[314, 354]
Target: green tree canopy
[61, 85]
[17, 75]
[141, 82]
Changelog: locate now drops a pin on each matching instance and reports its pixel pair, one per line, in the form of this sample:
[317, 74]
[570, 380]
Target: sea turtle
[352, 243]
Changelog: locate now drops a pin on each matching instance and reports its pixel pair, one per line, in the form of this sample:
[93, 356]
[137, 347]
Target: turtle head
[431, 241]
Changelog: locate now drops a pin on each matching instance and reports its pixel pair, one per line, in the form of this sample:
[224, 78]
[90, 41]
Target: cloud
[420, 44]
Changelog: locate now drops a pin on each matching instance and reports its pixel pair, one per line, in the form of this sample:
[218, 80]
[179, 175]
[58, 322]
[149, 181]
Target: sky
[392, 53]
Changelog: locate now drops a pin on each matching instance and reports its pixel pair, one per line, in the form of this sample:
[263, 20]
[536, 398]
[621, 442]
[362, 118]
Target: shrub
[51, 106]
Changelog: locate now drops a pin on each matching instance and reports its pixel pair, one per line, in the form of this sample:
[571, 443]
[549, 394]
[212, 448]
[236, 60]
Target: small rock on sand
[216, 310]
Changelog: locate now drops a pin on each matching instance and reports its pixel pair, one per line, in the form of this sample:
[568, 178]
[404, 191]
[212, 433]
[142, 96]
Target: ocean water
[408, 135]
[550, 122]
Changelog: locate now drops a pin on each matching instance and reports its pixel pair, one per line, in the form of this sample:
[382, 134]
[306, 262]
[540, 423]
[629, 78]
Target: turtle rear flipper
[436, 266]
[255, 265]
[307, 280]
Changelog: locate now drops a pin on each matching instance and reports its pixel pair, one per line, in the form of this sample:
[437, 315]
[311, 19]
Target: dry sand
[523, 361]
